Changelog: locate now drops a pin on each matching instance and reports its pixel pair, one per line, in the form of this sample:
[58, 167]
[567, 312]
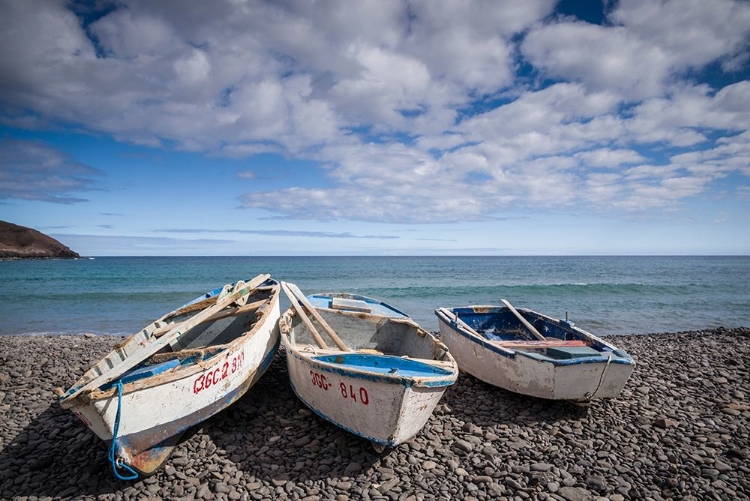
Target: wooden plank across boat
[381, 380]
[176, 372]
[354, 302]
[562, 362]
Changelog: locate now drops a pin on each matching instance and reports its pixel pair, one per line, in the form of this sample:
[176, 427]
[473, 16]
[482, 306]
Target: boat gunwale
[359, 297]
[182, 371]
[437, 381]
[512, 353]
[306, 352]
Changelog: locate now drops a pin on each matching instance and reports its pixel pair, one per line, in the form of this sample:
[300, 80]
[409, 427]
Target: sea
[602, 294]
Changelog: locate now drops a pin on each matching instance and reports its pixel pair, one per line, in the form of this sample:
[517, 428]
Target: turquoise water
[606, 295]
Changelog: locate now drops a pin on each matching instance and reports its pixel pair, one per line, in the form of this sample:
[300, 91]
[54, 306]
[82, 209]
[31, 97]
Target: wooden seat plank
[548, 343]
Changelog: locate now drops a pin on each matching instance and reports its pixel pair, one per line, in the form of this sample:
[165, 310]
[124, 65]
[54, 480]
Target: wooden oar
[331, 333]
[222, 314]
[177, 330]
[460, 322]
[301, 312]
[524, 321]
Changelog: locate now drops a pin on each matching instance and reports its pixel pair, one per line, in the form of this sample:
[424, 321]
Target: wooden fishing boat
[529, 353]
[381, 380]
[176, 372]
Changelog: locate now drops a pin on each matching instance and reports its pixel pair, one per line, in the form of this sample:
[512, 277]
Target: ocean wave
[118, 296]
[532, 289]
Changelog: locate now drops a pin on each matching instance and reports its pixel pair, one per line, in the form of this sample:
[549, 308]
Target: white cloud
[692, 33]
[650, 44]
[125, 34]
[416, 111]
[603, 58]
[32, 170]
[606, 157]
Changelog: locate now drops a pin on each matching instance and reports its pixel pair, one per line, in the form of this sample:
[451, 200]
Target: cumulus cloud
[32, 170]
[646, 48]
[415, 111]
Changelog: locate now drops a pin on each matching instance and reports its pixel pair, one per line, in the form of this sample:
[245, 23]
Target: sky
[419, 127]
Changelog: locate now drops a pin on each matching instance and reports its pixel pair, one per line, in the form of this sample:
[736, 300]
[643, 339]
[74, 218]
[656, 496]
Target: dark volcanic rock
[482, 443]
[19, 242]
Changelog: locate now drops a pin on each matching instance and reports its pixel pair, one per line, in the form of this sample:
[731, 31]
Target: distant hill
[19, 242]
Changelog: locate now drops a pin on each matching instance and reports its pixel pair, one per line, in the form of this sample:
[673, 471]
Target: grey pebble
[541, 467]
[668, 435]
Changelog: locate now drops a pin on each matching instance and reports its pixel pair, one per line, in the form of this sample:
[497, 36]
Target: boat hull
[157, 410]
[532, 374]
[385, 381]
[385, 411]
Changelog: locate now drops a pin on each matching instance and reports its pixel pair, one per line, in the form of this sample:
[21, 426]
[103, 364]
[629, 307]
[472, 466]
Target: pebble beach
[679, 430]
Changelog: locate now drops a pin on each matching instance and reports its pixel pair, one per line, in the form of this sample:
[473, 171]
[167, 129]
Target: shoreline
[679, 429]
[613, 336]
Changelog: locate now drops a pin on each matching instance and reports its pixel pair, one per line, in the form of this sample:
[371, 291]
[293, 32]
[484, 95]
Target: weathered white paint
[162, 399]
[531, 374]
[393, 413]
[382, 408]
[155, 404]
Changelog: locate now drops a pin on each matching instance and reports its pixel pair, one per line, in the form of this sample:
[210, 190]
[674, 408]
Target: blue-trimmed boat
[176, 372]
[382, 380]
[529, 353]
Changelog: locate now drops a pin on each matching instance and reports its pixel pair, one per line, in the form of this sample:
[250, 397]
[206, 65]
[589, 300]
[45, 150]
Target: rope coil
[114, 447]
[601, 377]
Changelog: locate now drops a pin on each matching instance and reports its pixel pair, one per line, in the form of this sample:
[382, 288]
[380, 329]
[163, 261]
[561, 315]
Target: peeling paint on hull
[531, 372]
[158, 409]
[147, 458]
[395, 410]
[385, 398]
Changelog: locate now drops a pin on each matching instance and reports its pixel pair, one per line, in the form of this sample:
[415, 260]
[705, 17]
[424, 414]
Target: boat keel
[145, 463]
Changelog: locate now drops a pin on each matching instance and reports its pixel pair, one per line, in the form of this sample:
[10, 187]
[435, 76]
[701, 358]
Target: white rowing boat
[176, 372]
[382, 379]
[529, 353]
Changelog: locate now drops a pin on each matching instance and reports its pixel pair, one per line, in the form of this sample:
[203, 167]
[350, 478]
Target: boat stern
[589, 379]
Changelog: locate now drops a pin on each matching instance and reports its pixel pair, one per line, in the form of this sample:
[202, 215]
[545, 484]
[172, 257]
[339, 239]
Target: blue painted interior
[496, 324]
[490, 325]
[383, 364]
[324, 300]
[142, 373]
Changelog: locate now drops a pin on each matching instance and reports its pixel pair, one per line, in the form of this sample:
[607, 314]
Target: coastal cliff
[20, 242]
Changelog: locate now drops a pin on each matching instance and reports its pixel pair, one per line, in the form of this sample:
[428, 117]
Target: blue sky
[527, 127]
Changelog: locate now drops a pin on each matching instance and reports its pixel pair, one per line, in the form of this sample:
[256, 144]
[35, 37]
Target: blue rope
[114, 447]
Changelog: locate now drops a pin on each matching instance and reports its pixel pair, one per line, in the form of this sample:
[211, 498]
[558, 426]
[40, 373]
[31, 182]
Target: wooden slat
[525, 322]
[338, 303]
[177, 330]
[222, 314]
[460, 322]
[331, 333]
[301, 312]
[547, 343]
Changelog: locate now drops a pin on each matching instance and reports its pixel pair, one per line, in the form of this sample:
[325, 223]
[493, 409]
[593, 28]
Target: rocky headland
[679, 430]
[20, 242]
